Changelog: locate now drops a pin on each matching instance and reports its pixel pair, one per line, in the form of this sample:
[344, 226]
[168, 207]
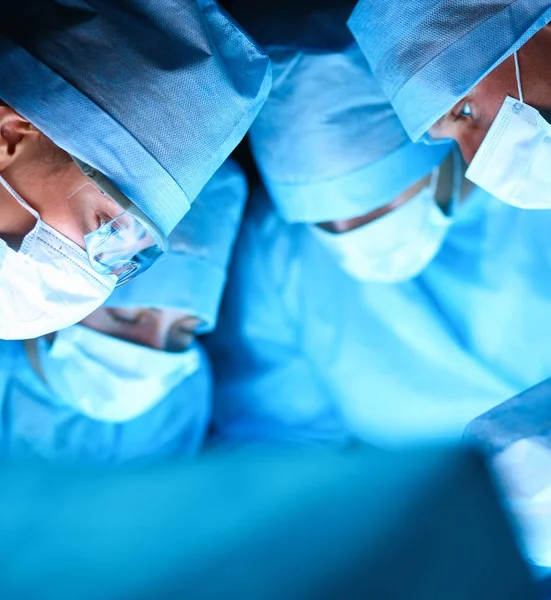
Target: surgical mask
[109, 379]
[395, 247]
[48, 284]
[513, 160]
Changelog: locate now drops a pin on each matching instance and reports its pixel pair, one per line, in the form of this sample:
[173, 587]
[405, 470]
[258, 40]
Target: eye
[466, 110]
[126, 317]
[114, 227]
[102, 219]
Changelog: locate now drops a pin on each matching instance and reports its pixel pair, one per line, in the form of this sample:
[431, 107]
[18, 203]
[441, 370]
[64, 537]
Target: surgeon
[476, 71]
[130, 382]
[329, 327]
[113, 117]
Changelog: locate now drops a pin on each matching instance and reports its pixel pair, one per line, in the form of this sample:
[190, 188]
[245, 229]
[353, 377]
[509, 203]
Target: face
[351, 224]
[49, 181]
[470, 119]
[167, 329]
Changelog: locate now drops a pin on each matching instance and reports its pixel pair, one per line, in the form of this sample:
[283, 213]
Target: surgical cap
[428, 54]
[327, 142]
[193, 276]
[153, 93]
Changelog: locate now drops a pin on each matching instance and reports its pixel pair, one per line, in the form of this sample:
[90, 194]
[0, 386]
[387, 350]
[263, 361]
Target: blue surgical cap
[327, 142]
[428, 54]
[153, 93]
[193, 276]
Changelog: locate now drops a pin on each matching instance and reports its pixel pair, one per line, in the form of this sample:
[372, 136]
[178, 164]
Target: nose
[170, 330]
[156, 330]
[467, 149]
[148, 330]
[469, 142]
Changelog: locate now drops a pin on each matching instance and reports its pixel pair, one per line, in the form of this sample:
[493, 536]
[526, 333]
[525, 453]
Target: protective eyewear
[120, 240]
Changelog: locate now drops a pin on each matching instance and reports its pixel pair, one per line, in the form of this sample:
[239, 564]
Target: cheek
[93, 212]
[468, 136]
[139, 335]
[147, 333]
[489, 95]
[57, 214]
[88, 208]
[69, 228]
[109, 208]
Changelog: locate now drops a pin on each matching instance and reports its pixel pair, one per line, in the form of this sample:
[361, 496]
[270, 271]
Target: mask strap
[517, 70]
[22, 202]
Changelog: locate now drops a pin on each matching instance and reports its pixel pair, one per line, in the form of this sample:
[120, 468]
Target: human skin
[162, 329]
[470, 119]
[45, 177]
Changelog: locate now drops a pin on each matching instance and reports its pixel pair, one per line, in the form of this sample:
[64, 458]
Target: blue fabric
[428, 54]
[544, 588]
[327, 142]
[153, 94]
[298, 341]
[506, 284]
[266, 387]
[261, 524]
[193, 276]
[33, 423]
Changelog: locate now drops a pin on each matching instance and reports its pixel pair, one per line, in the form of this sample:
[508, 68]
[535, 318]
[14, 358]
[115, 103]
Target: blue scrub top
[302, 348]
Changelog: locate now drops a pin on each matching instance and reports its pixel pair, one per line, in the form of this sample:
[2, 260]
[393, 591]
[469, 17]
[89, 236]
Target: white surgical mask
[513, 161]
[395, 247]
[109, 379]
[48, 284]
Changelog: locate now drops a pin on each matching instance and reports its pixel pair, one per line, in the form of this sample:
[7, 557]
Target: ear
[16, 133]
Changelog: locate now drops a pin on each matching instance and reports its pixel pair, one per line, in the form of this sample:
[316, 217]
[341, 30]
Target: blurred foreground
[261, 523]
